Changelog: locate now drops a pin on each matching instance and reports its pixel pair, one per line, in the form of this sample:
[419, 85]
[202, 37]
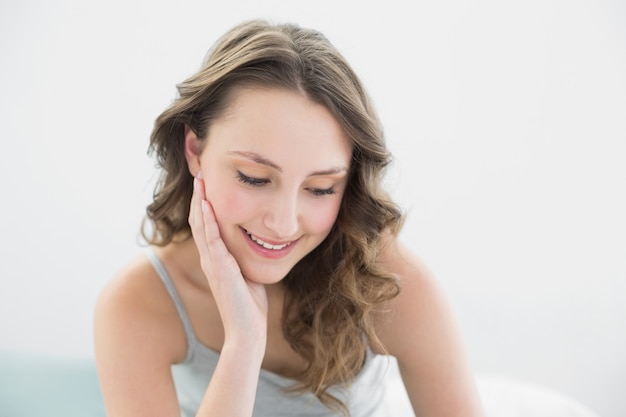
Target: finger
[195, 215]
[206, 232]
[193, 207]
[217, 248]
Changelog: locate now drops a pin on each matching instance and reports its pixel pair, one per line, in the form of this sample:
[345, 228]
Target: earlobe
[193, 149]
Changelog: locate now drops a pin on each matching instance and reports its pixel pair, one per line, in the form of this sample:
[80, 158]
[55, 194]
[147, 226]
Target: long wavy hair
[333, 292]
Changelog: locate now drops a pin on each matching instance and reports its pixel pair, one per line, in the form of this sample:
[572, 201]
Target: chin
[265, 276]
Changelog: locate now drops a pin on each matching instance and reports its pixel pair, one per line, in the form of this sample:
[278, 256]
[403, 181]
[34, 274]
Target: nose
[282, 217]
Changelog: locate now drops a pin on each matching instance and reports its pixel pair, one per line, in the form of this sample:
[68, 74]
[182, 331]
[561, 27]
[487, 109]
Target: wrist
[249, 344]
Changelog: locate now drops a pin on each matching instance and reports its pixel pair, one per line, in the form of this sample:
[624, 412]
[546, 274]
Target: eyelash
[255, 182]
[259, 182]
[320, 192]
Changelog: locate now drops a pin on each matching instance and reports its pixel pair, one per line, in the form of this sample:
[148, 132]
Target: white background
[507, 119]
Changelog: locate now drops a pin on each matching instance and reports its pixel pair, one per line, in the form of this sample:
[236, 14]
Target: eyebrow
[255, 157]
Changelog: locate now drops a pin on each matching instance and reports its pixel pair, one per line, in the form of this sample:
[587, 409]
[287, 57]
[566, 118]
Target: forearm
[232, 389]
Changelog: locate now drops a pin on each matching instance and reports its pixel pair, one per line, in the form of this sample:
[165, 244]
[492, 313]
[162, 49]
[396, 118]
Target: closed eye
[259, 182]
[256, 182]
[322, 191]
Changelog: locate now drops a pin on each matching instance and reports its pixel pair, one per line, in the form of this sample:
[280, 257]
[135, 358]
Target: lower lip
[268, 253]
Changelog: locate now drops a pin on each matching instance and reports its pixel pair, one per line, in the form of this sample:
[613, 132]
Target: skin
[297, 157]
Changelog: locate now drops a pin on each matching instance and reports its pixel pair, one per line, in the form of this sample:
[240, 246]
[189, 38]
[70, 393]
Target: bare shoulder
[137, 337]
[418, 328]
[134, 306]
[420, 310]
[398, 258]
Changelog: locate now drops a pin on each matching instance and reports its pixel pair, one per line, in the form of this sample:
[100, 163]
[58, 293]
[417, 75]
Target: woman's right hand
[243, 310]
[242, 304]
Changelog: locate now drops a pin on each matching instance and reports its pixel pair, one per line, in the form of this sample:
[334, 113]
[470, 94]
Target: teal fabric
[41, 385]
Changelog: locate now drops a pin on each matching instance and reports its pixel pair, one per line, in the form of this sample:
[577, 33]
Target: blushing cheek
[323, 218]
[229, 205]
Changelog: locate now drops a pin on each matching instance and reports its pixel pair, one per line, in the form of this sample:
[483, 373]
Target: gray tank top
[364, 398]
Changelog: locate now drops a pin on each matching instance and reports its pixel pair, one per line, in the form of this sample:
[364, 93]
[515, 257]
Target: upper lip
[269, 241]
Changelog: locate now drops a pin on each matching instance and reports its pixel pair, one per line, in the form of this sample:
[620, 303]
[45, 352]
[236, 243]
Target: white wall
[508, 121]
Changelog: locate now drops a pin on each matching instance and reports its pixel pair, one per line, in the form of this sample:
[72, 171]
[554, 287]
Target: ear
[193, 149]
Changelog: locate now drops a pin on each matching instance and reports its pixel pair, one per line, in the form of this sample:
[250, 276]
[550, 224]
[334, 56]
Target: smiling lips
[265, 244]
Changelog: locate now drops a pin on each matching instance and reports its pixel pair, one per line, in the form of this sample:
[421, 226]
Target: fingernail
[195, 182]
[199, 176]
[205, 206]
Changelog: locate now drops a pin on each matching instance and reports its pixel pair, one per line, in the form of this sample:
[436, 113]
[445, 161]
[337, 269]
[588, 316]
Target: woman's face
[275, 167]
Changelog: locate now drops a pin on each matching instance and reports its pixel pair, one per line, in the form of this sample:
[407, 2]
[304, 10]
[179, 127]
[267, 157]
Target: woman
[274, 284]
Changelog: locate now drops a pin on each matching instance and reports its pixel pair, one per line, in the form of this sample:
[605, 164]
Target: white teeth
[265, 244]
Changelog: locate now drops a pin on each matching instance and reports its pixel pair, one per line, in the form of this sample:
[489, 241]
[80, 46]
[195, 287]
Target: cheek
[229, 204]
[322, 218]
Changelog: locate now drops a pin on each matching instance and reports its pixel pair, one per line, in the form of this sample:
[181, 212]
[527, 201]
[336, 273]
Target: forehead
[281, 122]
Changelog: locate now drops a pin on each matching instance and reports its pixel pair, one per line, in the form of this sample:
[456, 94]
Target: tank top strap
[178, 302]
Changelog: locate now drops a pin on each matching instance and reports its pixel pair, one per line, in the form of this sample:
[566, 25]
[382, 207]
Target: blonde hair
[334, 291]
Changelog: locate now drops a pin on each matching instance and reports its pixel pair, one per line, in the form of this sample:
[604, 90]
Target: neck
[185, 257]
